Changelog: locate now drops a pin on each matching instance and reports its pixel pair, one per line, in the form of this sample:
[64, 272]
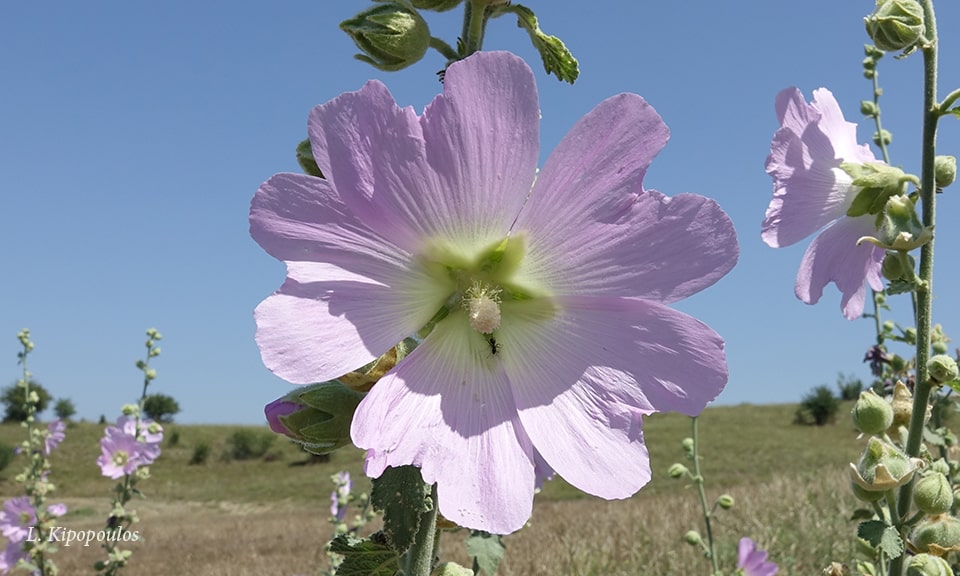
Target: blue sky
[133, 136]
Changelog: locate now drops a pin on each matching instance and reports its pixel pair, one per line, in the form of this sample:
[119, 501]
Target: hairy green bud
[895, 24]
[391, 36]
[933, 493]
[677, 470]
[317, 416]
[868, 108]
[938, 535]
[942, 368]
[945, 170]
[928, 565]
[693, 538]
[882, 138]
[883, 467]
[436, 5]
[872, 414]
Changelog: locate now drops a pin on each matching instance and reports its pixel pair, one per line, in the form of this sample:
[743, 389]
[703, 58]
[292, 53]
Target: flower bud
[391, 36]
[893, 268]
[868, 108]
[900, 228]
[872, 414]
[687, 444]
[677, 470]
[939, 465]
[317, 416]
[865, 495]
[882, 138]
[945, 170]
[937, 535]
[933, 494]
[725, 501]
[692, 538]
[451, 569]
[895, 24]
[883, 467]
[942, 368]
[928, 565]
[939, 347]
[902, 404]
[910, 334]
[868, 64]
[436, 5]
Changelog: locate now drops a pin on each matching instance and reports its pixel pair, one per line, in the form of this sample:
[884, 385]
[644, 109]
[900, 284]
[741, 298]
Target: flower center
[482, 303]
[120, 457]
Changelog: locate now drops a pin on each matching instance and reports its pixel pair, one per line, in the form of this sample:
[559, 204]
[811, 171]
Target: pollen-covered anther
[483, 308]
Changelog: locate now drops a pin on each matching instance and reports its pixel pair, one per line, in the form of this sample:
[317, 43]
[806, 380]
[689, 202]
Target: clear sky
[134, 134]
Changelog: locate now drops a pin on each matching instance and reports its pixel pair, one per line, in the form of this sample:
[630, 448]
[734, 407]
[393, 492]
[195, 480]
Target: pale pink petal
[447, 409]
[325, 321]
[460, 173]
[809, 189]
[833, 256]
[299, 218]
[601, 364]
[641, 245]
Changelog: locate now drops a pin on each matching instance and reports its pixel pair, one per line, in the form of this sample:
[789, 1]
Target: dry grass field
[270, 518]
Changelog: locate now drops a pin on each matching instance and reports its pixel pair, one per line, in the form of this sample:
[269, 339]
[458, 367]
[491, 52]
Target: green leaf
[557, 59]
[364, 557]
[872, 531]
[402, 496]
[487, 550]
[955, 111]
[306, 161]
[955, 384]
[891, 543]
[900, 287]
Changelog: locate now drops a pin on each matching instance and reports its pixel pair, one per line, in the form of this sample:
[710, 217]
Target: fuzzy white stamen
[483, 308]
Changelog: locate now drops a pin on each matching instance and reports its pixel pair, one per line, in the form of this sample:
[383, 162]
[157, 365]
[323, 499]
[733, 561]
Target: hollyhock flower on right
[753, 562]
[812, 192]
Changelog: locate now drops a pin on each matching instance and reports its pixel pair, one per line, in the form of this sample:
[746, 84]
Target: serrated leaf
[934, 437]
[364, 557]
[402, 496]
[872, 531]
[557, 59]
[900, 287]
[862, 514]
[487, 550]
[891, 543]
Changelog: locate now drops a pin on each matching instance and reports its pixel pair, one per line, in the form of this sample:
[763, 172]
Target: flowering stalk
[127, 450]
[698, 480]
[925, 289]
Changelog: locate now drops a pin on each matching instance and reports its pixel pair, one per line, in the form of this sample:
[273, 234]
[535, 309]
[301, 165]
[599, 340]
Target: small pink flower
[120, 455]
[56, 432]
[811, 191]
[753, 562]
[57, 510]
[11, 555]
[16, 518]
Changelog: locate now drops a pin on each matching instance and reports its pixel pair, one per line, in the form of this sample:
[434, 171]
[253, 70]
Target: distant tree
[849, 386]
[64, 409]
[13, 399]
[161, 407]
[819, 406]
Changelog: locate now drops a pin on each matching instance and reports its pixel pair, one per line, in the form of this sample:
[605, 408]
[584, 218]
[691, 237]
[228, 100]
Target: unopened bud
[687, 444]
[868, 108]
[451, 569]
[895, 24]
[933, 494]
[883, 467]
[942, 369]
[928, 565]
[677, 470]
[937, 535]
[945, 170]
[391, 36]
[872, 414]
[725, 501]
[692, 538]
[882, 138]
[436, 5]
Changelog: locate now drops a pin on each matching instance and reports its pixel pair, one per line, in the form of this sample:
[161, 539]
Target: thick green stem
[698, 480]
[419, 558]
[923, 388]
[474, 22]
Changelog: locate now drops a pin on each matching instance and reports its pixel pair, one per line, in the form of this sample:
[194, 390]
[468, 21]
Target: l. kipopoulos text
[67, 536]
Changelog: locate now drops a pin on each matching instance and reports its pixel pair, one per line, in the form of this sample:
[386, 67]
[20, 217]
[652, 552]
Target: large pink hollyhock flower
[547, 293]
[811, 191]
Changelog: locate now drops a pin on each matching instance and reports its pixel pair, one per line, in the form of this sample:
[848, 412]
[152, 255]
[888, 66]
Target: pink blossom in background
[550, 292]
[16, 518]
[753, 562]
[811, 192]
[56, 432]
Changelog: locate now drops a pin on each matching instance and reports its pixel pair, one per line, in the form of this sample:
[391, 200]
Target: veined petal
[834, 256]
[299, 218]
[643, 245]
[457, 175]
[809, 189]
[602, 363]
[325, 321]
[447, 409]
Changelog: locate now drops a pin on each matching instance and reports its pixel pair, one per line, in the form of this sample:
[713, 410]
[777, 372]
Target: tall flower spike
[546, 293]
[811, 191]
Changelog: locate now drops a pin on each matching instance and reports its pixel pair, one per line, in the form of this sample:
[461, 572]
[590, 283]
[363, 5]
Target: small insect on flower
[494, 345]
